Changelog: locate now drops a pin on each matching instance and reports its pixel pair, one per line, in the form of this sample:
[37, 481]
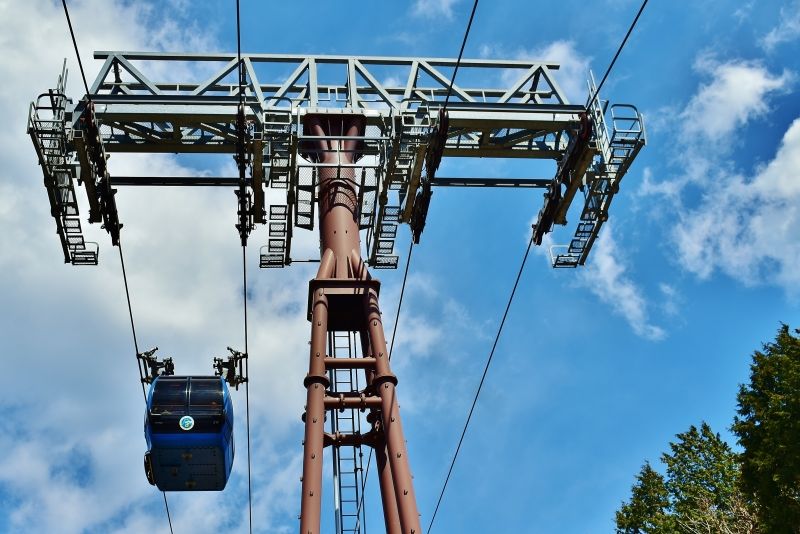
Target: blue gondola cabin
[189, 432]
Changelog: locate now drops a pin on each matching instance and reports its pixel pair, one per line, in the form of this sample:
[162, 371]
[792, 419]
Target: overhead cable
[391, 349]
[400, 302]
[619, 50]
[480, 384]
[514, 289]
[119, 246]
[136, 348]
[411, 246]
[460, 53]
[75, 45]
[130, 315]
[241, 140]
[247, 387]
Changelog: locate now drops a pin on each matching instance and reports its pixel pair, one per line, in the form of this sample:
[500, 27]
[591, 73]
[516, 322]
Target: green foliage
[700, 492]
[768, 428]
[703, 481]
[707, 488]
[646, 511]
[701, 469]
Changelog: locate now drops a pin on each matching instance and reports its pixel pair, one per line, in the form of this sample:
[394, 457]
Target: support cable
[75, 45]
[391, 348]
[166, 506]
[619, 50]
[242, 170]
[411, 246]
[130, 315]
[119, 246]
[239, 50]
[435, 148]
[514, 289]
[460, 53]
[400, 302]
[136, 348]
[247, 388]
[480, 384]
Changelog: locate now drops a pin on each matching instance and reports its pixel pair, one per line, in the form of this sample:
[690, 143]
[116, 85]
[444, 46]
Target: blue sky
[597, 369]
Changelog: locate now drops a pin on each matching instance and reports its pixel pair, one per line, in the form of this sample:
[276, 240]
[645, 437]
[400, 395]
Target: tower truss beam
[349, 145]
[187, 103]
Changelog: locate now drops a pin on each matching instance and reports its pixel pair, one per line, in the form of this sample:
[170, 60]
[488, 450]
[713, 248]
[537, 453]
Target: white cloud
[419, 336]
[425, 318]
[435, 334]
[571, 76]
[573, 71]
[747, 226]
[736, 94]
[786, 31]
[652, 186]
[671, 299]
[606, 277]
[742, 14]
[433, 9]
[184, 268]
[743, 226]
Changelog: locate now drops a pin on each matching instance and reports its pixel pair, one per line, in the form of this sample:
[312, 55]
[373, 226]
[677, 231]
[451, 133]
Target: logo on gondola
[186, 422]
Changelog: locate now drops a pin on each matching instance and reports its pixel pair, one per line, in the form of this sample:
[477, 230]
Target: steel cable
[480, 384]
[130, 315]
[244, 273]
[247, 389]
[391, 349]
[75, 45]
[514, 289]
[411, 246]
[460, 53]
[619, 50]
[121, 257]
[400, 302]
[136, 348]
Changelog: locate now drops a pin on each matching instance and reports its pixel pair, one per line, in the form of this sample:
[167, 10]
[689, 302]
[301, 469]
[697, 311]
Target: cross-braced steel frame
[514, 109]
[349, 145]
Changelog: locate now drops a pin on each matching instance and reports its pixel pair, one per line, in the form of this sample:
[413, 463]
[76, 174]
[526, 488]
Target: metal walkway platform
[499, 109]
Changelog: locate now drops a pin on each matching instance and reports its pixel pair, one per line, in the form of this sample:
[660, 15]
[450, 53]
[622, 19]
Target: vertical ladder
[273, 254]
[278, 170]
[616, 152]
[348, 472]
[48, 130]
[410, 132]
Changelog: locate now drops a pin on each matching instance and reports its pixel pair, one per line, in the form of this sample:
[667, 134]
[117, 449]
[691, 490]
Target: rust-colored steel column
[316, 383]
[335, 152]
[385, 383]
[391, 516]
[363, 337]
[338, 201]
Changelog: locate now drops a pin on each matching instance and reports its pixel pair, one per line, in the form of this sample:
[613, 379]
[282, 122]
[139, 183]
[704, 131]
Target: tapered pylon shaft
[385, 383]
[316, 383]
[336, 151]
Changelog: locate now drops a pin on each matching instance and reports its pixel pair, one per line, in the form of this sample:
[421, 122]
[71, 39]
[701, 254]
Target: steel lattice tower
[361, 154]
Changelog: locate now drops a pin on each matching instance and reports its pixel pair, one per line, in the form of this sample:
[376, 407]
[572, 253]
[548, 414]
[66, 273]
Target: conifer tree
[646, 511]
[768, 428]
[699, 493]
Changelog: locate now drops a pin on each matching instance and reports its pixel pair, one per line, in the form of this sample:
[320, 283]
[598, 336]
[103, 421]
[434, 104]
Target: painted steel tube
[313, 443]
[356, 403]
[391, 516]
[385, 383]
[338, 200]
[340, 247]
[350, 363]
